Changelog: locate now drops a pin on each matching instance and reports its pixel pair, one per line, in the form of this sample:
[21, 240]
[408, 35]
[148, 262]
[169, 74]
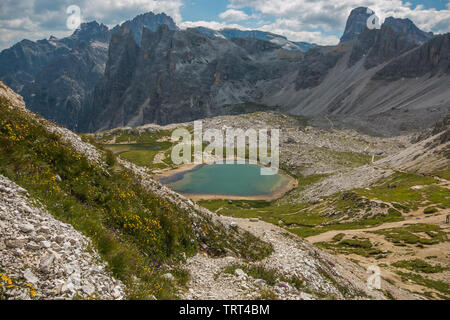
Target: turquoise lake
[242, 180]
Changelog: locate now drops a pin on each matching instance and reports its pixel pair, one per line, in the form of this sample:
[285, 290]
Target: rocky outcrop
[178, 76]
[45, 258]
[408, 29]
[432, 58]
[427, 156]
[147, 20]
[356, 23]
[60, 91]
[316, 65]
[88, 32]
[56, 77]
[395, 37]
[443, 126]
[379, 46]
[322, 274]
[15, 99]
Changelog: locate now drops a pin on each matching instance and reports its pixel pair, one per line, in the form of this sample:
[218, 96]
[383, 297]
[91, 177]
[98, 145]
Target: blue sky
[318, 21]
[438, 4]
[193, 10]
[310, 20]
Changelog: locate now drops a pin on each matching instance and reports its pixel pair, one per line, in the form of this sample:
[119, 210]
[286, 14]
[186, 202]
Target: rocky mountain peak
[379, 45]
[91, 31]
[149, 21]
[356, 23]
[409, 29]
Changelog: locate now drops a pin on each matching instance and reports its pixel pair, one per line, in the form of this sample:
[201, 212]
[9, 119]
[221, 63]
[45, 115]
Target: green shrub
[338, 237]
[411, 234]
[110, 158]
[418, 265]
[362, 247]
[269, 275]
[398, 206]
[440, 286]
[266, 294]
[394, 213]
[365, 243]
[430, 210]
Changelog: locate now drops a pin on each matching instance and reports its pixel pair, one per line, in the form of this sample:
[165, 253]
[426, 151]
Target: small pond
[228, 181]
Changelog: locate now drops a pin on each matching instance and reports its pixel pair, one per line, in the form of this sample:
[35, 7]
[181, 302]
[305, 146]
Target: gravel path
[417, 217]
[324, 275]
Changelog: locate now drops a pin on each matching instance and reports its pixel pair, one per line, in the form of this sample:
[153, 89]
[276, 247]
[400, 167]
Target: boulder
[15, 243]
[26, 228]
[46, 263]
[88, 288]
[30, 277]
[169, 276]
[240, 273]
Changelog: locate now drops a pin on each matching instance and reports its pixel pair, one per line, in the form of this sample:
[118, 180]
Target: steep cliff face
[88, 32]
[122, 58]
[177, 76]
[432, 58]
[356, 23]
[148, 20]
[316, 65]
[56, 77]
[20, 63]
[408, 29]
[379, 46]
[60, 90]
[395, 37]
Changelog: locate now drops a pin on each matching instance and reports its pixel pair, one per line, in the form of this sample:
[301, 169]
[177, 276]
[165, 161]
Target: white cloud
[215, 25]
[234, 15]
[37, 19]
[297, 16]
[281, 28]
[319, 21]
[127, 9]
[306, 36]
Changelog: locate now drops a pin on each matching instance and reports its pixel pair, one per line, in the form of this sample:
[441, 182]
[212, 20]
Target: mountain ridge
[66, 79]
[232, 33]
[338, 80]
